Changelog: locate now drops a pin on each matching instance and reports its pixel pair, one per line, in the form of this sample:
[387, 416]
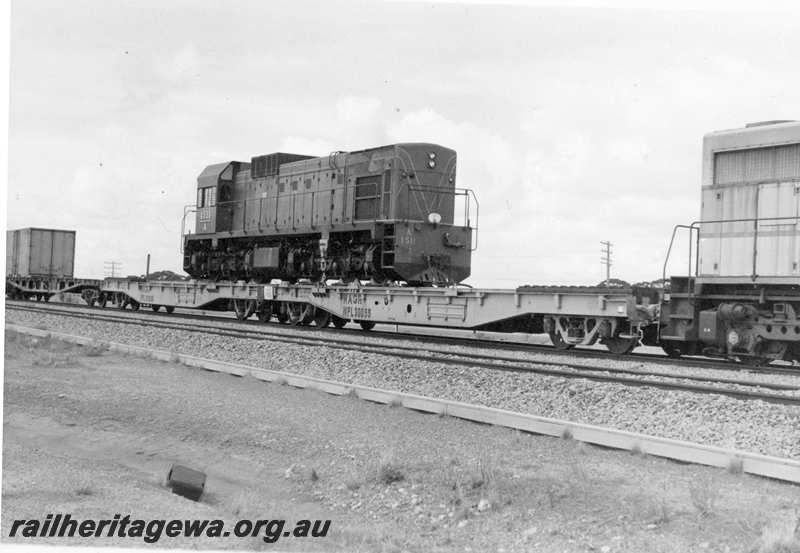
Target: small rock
[62, 396]
[605, 549]
[530, 532]
[296, 470]
[462, 523]
[484, 505]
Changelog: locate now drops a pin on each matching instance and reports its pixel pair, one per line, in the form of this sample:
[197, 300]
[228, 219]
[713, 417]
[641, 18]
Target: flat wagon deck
[618, 317]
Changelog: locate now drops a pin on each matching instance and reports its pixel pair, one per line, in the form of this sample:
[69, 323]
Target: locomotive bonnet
[386, 214]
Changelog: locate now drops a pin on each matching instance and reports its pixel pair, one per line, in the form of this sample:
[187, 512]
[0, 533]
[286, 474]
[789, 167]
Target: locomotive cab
[214, 194]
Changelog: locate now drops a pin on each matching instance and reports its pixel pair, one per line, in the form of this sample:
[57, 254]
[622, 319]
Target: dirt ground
[93, 434]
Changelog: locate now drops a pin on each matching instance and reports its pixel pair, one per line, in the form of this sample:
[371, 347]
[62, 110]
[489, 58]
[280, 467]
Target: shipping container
[40, 252]
[751, 178]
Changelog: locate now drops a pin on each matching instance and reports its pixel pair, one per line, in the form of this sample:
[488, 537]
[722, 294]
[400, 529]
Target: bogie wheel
[169, 308]
[122, 303]
[558, 342]
[338, 322]
[155, 308]
[619, 345]
[243, 308]
[135, 305]
[301, 313]
[282, 313]
[767, 352]
[672, 349]
[322, 318]
[367, 325]
[264, 312]
[102, 301]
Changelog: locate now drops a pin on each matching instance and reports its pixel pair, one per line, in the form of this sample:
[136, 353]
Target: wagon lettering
[351, 312]
[354, 298]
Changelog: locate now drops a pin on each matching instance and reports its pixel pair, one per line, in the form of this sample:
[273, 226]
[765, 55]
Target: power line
[606, 259]
[112, 268]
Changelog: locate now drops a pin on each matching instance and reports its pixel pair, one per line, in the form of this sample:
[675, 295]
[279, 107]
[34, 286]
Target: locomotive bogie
[757, 324]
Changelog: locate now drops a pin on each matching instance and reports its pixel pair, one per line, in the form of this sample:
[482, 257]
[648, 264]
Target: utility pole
[606, 259]
[112, 268]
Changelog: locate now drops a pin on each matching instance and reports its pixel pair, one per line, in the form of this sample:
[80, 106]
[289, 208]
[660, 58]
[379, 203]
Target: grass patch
[779, 536]
[476, 487]
[352, 484]
[704, 493]
[95, 349]
[736, 465]
[389, 470]
[655, 506]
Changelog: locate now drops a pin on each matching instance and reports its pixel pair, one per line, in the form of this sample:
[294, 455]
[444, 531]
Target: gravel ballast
[755, 426]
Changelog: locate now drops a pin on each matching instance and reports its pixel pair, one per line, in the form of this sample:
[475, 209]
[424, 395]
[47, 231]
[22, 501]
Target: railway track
[786, 393]
[470, 341]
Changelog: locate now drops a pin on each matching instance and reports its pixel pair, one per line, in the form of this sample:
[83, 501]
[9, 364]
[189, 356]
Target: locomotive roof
[767, 133]
[211, 172]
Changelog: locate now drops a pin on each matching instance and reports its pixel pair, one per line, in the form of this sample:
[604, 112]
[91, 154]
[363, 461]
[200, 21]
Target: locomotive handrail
[466, 192]
[696, 226]
[188, 208]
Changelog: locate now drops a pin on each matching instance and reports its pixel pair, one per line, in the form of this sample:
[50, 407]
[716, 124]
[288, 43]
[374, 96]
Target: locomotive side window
[387, 193]
[367, 197]
[206, 197]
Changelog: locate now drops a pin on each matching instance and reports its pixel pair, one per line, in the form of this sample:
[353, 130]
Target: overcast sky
[572, 124]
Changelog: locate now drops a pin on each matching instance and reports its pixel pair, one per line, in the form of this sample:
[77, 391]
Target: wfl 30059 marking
[620, 318]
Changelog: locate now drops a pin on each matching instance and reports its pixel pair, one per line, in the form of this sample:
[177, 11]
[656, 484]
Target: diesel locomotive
[388, 214]
[741, 298]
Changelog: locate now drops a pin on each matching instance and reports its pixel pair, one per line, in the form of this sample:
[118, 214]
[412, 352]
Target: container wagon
[41, 262]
